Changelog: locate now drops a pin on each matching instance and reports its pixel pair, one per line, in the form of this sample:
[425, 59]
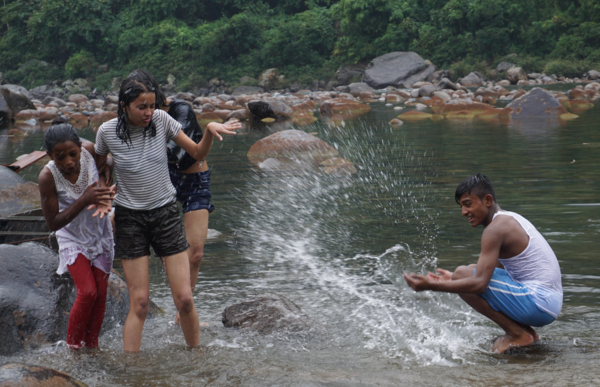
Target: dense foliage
[44, 40]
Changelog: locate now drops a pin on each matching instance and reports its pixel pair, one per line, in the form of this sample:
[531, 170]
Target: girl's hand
[227, 128]
[103, 208]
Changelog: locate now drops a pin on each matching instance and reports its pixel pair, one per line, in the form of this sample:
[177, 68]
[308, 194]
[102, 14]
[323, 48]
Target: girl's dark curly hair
[136, 83]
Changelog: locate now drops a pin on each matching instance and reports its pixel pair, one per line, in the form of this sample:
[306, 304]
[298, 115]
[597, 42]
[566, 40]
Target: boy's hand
[227, 128]
[444, 275]
[417, 281]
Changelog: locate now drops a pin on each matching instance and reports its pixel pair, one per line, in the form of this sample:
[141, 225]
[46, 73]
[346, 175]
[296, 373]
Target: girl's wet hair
[60, 131]
[478, 185]
[136, 83]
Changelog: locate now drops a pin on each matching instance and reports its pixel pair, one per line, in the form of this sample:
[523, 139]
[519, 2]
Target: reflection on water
[337, 247]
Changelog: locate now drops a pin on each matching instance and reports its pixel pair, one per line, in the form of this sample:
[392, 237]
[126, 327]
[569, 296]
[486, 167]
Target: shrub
[567, 68]
[81, 65]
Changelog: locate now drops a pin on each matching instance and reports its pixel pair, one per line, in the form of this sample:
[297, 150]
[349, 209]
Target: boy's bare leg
[196, 230]
[138, 284]
[178, 272]
[517, 335]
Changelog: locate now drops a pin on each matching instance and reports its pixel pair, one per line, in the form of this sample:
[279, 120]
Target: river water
[337, 247]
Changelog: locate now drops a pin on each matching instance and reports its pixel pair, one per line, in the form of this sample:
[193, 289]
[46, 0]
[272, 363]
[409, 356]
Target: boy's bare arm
[491, 241]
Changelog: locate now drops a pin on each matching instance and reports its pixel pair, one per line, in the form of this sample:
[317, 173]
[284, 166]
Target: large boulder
[398, 69]
[269, 79]
[359, 87]
[504, 66]
[266, 314]
[12, 101]
[19, 89]
[445, 83]
[472, 80]
[593, 75]
[29, 375]
[291, 145]
[516, 74]
[535, 104]
[35, 301]
[269, 109]
[347, 73]
[16, 194]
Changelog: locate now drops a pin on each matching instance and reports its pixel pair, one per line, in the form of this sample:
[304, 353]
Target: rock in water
[16, 194]
[266, 314]
[12, 101]
[473, 79]
[35, 301]
[291, 144]
[28, 375]
[269, 109]
[536, 103]
[393, 68]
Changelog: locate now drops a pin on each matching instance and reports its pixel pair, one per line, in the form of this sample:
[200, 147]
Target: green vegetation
[305, 39]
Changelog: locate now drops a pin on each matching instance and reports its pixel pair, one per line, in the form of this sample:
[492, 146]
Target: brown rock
[222, 114]
[347, 107]
[337, 165]
[414, 115]
[27, 114]
[205, 118]
[78, 118]
[28, 375]
[78, 98]
[516, 74]
[100, 118]
[291, 144]
[240, 114]
[475, 107]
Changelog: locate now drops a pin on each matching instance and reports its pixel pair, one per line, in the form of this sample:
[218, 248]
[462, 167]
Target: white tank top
[85, 234]
[536, 268]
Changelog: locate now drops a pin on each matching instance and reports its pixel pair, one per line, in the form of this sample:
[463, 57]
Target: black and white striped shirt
[141, 171]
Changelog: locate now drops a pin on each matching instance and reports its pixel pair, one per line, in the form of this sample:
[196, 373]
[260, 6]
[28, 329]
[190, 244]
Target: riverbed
[337, 246]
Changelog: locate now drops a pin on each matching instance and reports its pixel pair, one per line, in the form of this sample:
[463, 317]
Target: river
[337, 247]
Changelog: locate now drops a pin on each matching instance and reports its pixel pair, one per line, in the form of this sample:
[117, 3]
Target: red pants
[87, 313]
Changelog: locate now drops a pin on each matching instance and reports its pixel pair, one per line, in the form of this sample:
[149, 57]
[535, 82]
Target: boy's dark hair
[136, 83]
[60, 131]
[478, 185]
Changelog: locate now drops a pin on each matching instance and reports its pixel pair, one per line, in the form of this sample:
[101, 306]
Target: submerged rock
[266, 314]
[29, 375]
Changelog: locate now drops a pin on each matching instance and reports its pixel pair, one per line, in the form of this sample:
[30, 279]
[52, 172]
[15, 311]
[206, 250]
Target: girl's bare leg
[138, 283]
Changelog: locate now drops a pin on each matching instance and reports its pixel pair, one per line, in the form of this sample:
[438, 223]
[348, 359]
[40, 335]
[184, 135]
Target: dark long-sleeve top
[183, 113]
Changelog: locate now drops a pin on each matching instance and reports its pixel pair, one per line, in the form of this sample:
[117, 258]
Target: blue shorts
[514, 300]
[193, 189]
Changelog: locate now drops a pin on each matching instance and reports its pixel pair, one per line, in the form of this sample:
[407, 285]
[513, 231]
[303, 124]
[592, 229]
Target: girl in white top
[69, 190]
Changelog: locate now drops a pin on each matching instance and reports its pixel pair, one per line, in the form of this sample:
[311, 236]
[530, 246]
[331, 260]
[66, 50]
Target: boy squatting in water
[516, 282]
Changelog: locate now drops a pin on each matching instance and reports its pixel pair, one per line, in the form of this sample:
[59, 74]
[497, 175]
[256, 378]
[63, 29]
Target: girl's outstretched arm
[200, 151]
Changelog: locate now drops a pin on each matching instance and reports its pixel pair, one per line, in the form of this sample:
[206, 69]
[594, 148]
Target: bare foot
[533, 333]
[177, 320]
[504, 343]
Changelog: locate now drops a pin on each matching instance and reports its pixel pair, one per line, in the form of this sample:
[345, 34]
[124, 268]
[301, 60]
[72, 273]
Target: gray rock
[1, 78]
[274, 109]
[504, 66]
[359, 87]
[269, 79]
[444, 96]
[445, 83]
[266, 314]
[35, 301]
[12, 101]
[471, 80]
[534, 75]
[535, 104]
[393, 69]
[345, 74]
[438, 75]
[418, 77]
[516, 74]
[21, 374]
[19, 89]
[427, 90]
[592, 75]
[248, 90]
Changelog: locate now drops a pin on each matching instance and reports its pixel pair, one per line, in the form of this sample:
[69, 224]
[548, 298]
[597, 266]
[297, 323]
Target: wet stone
[266, 314]
[29, 375]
